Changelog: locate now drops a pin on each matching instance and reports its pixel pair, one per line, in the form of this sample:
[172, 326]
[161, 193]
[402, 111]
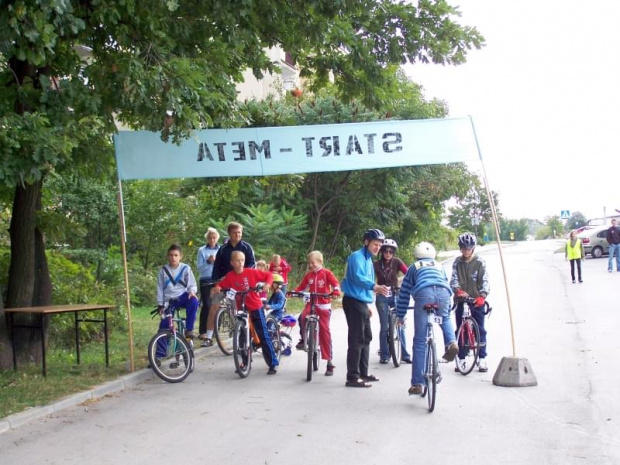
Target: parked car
[595, 241]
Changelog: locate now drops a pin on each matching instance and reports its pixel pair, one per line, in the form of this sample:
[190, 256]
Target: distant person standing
[613, 237]
[204, 261]
[575, 253]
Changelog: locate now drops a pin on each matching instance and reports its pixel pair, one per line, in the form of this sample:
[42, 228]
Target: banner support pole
[512, 371]
[121, 217]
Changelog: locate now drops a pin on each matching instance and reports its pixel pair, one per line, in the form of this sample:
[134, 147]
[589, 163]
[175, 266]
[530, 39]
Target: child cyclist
[427, 283]
[242, 279]
[469, 279]
[176, 282]
[277, 300]
[321, 281]
[386, 270]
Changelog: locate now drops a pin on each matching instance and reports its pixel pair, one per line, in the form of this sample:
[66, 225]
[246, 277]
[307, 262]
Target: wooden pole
[121, 217]
[499, 242]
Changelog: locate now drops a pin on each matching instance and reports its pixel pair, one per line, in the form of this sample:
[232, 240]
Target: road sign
[565, 215]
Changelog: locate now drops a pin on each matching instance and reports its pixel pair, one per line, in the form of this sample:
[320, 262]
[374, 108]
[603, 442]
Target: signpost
[565, 215]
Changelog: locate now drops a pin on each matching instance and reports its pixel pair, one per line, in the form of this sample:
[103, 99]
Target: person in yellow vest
[575, 253]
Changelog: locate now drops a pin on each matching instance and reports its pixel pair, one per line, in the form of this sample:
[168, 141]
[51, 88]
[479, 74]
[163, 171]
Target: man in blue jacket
[358, 287]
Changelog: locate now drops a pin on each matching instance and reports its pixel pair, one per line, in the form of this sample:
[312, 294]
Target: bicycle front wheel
[311, 340]
[394, 340]
[242, 352]
[224, 327]
[431, 374]
[273, 330]
[170, 356]
[468, 339]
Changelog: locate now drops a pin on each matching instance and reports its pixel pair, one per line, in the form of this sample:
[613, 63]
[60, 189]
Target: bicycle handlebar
[258, 288]
[470, 301]
[309, 294]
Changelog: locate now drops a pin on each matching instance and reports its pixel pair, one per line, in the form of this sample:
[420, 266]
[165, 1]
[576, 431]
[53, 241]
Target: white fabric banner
[296, 149]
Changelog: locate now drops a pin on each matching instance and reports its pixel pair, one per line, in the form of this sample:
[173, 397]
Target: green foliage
[473, 210]
[553, 228]
[576, 220]
[74, 283]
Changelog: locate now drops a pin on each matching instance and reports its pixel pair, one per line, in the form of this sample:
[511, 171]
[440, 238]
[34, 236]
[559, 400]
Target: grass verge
[27, 387]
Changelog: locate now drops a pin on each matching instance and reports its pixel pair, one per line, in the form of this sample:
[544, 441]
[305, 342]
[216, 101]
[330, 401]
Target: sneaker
[573, 281]
[462, 365]
[300, 345]
[405, 360]
[580, 281]
[482, 366]
[330, 370]
[416, 389]
[189, 335]
[272, 371]
[451, 351]
[384, 361]
[207, 343]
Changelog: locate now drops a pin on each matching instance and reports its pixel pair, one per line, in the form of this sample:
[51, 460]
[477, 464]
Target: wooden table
[45, 311]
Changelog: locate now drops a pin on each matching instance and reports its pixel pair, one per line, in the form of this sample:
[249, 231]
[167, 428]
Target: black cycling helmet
[374, 234]
[467, 241]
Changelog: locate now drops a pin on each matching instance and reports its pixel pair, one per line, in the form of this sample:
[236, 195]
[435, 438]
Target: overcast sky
[544, 95]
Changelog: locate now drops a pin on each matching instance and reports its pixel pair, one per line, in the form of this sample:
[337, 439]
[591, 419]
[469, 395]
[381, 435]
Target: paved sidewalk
[18, 419]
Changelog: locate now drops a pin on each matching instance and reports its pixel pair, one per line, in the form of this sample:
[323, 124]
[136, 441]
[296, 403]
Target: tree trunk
[6, 354]
[29, 279]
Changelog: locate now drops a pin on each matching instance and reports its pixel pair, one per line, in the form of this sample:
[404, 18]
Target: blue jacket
[277, 302]
[422, 273]
[359, 278]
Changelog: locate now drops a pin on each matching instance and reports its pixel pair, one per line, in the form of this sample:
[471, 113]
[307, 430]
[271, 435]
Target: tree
[473, 211]
[553, 228]
[70, 70]
[576, 220]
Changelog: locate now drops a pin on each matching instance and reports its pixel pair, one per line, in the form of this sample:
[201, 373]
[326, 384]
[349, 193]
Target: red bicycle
[468, 337]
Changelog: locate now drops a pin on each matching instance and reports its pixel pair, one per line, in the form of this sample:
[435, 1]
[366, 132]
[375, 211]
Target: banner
[296, 149]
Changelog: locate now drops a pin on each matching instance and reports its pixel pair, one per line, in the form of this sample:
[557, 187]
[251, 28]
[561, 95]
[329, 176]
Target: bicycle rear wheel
[241, 349]
[170, 356]
[431, 374]
[224, 327]
[468, 339]
[311, 343]
[394, 340]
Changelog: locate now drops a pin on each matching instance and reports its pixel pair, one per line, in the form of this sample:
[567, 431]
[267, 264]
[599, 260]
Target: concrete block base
[514, 372]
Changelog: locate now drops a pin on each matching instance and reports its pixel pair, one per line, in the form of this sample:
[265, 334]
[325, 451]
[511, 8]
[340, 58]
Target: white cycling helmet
[424, 250]
[389, 243]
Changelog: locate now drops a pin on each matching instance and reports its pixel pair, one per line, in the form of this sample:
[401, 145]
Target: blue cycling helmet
[374, 234]
[288, 320]
[467, 241]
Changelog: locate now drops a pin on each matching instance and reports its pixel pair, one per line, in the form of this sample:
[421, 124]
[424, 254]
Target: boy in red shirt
[242, 279]
[321, 281]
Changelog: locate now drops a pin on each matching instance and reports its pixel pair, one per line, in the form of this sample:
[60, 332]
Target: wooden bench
[45, 312]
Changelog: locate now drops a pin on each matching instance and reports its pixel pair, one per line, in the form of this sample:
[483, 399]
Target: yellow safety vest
[573, 253]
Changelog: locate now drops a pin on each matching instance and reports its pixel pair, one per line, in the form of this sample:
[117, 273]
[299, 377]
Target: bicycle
[224, 326]
[394, 342]
[171, 356]
[431, 365]
[245, 340]
[311, 331]
[468, 337]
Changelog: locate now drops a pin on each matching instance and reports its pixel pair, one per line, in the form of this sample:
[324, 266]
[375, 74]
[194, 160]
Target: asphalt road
[567, 332]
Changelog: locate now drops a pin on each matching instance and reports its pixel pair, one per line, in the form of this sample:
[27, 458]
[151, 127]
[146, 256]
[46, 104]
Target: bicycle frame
[311, 331]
